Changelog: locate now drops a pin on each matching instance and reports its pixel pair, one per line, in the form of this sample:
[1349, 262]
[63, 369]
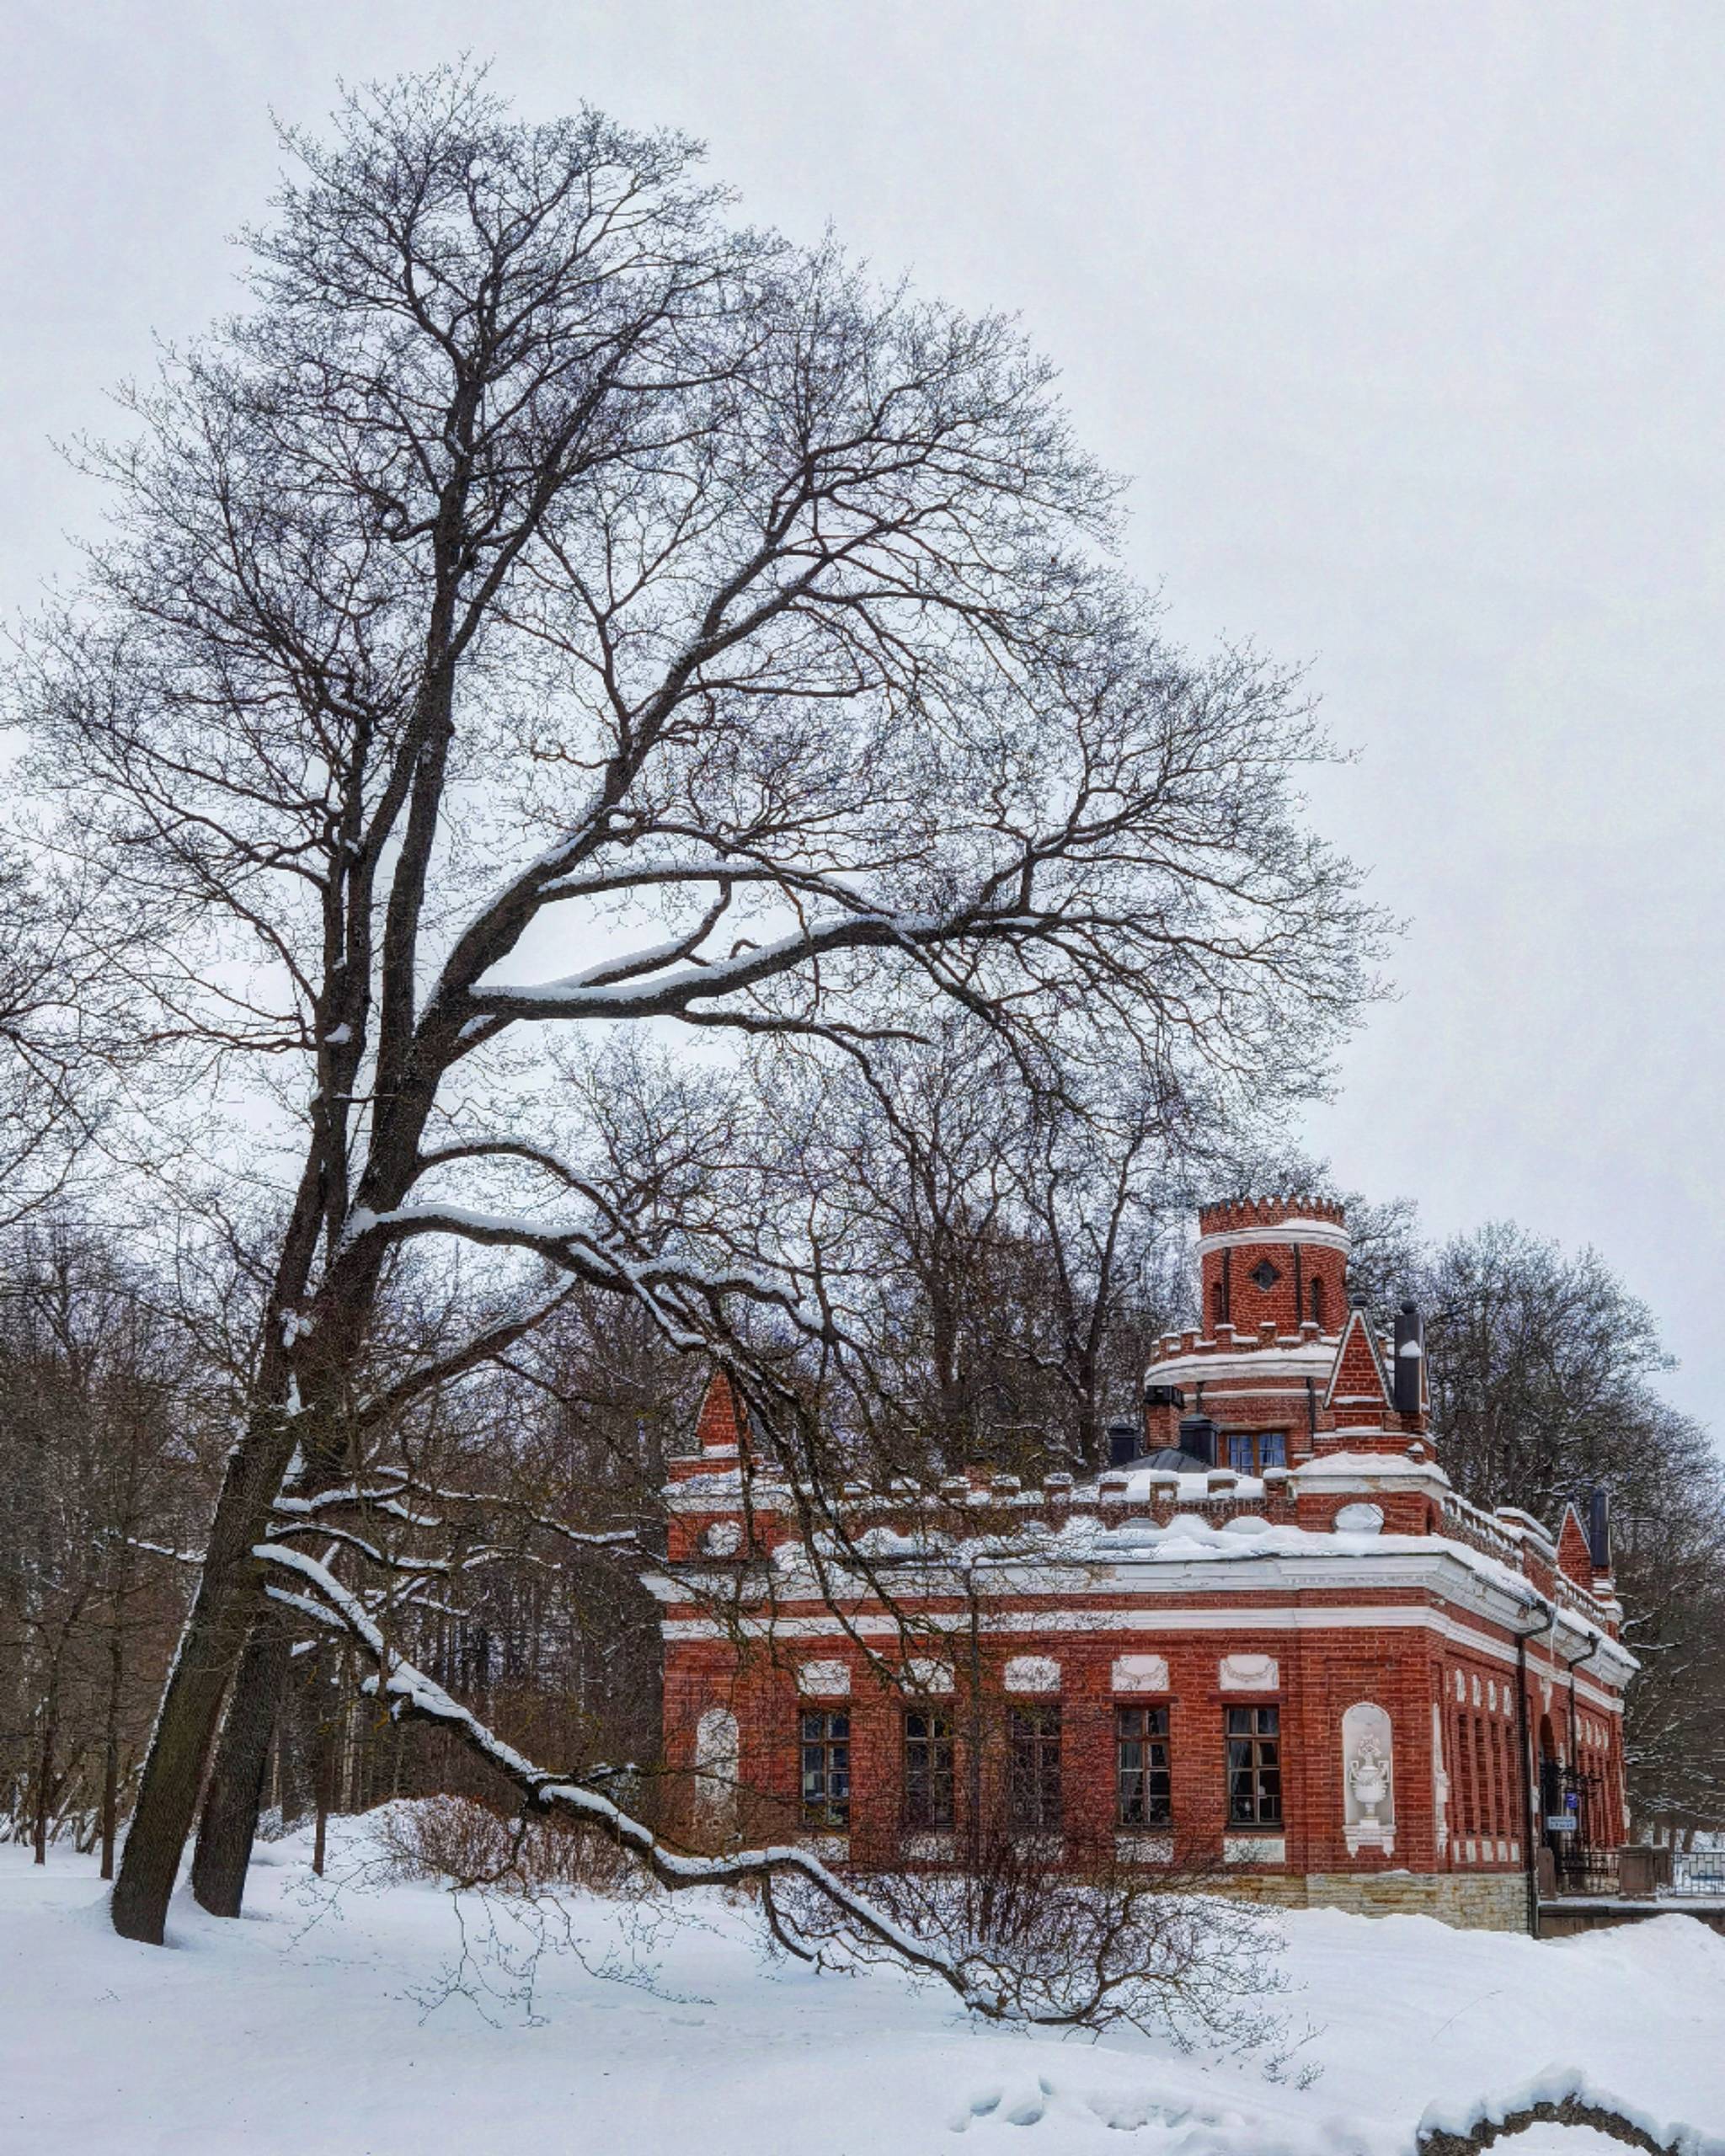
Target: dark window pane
[928, 1771]
[1033, 1769]
[1254, 1767]
[827, 1770]
[1251, 1451]
[1141, 1771]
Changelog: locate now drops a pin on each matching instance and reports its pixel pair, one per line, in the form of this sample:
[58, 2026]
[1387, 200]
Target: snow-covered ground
[304, 2030]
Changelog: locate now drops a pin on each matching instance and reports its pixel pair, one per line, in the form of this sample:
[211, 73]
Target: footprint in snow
[1029, 2109]
[979, 2107]
[1024, 2110]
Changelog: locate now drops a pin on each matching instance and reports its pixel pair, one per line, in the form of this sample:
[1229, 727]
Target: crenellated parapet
[1242, 1215]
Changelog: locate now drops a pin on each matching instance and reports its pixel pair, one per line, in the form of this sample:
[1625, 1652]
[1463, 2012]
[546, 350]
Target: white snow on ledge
[1187, 1539]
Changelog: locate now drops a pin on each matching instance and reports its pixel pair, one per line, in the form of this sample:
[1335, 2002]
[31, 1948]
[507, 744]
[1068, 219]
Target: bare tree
[1006, 1252]
[548, 605]
[64, 1036]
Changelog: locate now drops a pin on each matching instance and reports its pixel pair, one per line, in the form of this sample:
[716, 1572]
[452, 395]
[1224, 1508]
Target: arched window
[1317, 1303]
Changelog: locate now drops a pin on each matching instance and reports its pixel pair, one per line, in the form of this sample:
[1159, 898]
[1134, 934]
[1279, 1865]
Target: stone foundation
[1478, 1902]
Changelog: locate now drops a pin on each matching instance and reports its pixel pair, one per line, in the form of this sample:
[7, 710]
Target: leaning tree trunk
[214, 1630]
[227, 1828]
[229, 1823]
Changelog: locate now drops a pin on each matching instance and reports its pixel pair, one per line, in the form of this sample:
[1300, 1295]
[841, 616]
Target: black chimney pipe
[1410, 1359]
[1599, 1529]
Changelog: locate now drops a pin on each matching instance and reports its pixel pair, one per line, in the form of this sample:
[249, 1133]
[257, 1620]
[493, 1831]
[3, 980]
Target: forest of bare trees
[119, 1413]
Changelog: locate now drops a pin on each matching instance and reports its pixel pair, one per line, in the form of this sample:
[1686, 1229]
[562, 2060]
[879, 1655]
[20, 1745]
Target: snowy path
[267, 2038]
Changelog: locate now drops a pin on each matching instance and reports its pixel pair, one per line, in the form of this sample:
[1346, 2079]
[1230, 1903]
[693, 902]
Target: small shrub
[458, 1841]
[1092, 1946]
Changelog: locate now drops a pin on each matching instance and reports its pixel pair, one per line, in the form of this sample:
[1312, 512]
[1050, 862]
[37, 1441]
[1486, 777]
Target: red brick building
[1271, 1636]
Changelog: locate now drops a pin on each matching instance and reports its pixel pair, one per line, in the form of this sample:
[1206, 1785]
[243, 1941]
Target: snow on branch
[162, 1550]
[409, 1692]
[305, 1514]
[577, 997]
[1560, 2096]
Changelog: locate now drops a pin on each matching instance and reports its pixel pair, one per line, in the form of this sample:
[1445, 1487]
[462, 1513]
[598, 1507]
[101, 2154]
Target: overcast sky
[1407, 323]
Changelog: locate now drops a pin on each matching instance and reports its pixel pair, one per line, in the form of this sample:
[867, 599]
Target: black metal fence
[1697, 1871]
[1585, 1871]
[1659, 1870]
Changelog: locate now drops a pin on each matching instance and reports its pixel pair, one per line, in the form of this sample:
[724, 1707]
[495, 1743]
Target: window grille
[928, 1771]
[1251, 1451]
[1033, 1769]
[1144, 1794]
[1254, 1767]
[827, 1770]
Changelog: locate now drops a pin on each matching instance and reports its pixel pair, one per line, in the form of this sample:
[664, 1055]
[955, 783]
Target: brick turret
[1281, 1262]
[1285, 1367]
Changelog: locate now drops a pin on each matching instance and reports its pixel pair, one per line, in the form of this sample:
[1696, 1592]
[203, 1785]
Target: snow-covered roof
[1040, 1558]
[1208, 1360]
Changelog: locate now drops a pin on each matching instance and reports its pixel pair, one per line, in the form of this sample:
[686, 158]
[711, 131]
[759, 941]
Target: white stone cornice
[1370, 1470]
[1287, 1357]
[1425, 1566]
[1323, 1232]
[1158, 1624]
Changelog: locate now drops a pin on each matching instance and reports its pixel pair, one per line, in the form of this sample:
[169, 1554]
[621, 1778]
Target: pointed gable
[1575, 1556]
[1358, 1384]
[718, 1427]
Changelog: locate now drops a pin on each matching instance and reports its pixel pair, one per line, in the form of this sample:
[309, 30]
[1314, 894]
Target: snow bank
[305, 2029]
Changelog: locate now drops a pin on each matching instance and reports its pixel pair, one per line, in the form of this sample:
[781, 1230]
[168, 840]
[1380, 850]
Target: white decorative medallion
[1033, 1672]
[823, 1680]
[1254, 1848]
[1360, 1519]
[929, 1676]
[1249, 1673]
[1140, 1673]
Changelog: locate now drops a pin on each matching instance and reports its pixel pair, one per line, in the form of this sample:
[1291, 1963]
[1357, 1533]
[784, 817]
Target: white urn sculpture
[1368, 1780]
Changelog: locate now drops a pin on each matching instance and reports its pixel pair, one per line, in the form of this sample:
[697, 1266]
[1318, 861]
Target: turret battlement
[1240, 1215]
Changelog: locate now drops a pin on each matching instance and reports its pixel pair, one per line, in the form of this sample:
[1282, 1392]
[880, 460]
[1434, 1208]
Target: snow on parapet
[1291, 1217]
[1056, 1557]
